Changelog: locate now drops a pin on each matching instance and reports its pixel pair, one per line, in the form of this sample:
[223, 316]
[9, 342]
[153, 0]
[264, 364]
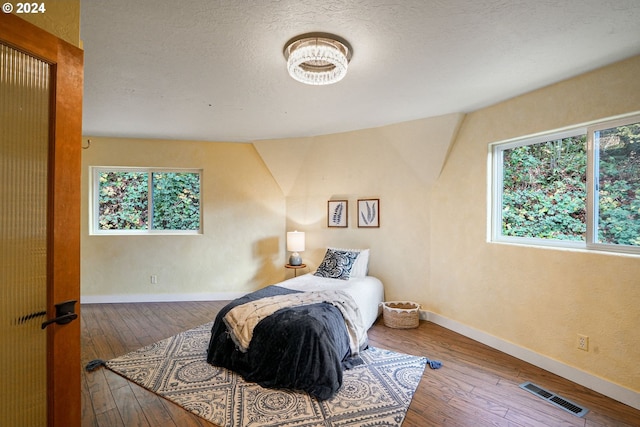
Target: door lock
[65, 313]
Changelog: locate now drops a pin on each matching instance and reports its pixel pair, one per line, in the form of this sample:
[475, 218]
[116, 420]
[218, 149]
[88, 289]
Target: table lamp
[295, 244]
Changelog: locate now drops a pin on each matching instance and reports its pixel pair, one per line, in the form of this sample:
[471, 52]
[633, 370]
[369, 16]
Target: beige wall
[242, 246]
[397, 164]
[61, 18]
[539, 299]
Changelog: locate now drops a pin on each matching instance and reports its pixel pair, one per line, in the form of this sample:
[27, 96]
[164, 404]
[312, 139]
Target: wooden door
[60, 171]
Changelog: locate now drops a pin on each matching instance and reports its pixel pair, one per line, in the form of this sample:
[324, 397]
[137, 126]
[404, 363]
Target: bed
[302, 346]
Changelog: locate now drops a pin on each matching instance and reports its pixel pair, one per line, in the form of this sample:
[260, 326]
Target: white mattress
[367, 292]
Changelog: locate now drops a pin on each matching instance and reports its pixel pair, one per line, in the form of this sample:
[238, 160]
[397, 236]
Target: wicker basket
[401, 314]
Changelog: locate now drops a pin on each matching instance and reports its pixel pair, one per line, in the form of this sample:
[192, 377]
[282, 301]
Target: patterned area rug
[376, 393]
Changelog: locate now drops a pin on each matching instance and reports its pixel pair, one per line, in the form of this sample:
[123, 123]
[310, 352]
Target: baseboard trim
[124, 298]
[609, 389]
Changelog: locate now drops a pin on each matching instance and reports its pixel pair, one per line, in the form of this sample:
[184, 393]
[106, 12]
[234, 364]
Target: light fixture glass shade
[317, 60]
[295, 244]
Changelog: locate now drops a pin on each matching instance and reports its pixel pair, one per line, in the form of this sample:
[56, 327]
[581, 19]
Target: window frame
[94, 205]
[496, 153]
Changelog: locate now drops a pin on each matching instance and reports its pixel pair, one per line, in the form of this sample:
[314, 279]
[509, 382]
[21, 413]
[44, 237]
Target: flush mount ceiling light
[317, 58]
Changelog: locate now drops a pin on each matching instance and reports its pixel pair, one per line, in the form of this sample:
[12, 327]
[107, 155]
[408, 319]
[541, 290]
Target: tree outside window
[141, 200]
[544, 190]
[618, 174]
[576, 188]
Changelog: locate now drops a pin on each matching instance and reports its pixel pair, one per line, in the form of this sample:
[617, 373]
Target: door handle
[65, 313]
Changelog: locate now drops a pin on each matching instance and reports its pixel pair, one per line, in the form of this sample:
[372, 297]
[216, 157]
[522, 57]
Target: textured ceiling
[213, 70]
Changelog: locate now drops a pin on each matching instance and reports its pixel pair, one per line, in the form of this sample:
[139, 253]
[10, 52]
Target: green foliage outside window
[619, 182]
[544, 192]
[176, 201]
[124, 202]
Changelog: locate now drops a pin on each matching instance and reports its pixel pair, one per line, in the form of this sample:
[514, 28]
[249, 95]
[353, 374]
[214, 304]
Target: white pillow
[361, 265]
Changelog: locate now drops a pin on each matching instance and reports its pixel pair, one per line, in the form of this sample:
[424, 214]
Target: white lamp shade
[295, 241]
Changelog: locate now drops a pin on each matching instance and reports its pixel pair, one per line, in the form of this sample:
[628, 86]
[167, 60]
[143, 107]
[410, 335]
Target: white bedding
[367, 292]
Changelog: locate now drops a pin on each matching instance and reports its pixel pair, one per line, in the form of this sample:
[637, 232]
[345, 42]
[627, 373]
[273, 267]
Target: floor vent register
[554, 399]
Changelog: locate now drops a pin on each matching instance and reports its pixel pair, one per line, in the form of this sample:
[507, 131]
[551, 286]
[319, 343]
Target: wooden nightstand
[295, 268]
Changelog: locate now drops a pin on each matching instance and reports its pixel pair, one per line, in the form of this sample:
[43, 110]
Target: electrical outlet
[583, 342]
[154, 279]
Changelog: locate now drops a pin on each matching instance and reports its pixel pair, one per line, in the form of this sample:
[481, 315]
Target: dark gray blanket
[301, 348]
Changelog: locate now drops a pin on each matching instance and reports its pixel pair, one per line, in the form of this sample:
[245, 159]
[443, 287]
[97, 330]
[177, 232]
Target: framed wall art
[337, 213]
[368, 213]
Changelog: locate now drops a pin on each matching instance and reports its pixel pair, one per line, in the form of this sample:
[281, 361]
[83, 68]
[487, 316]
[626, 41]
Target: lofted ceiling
[213, 70]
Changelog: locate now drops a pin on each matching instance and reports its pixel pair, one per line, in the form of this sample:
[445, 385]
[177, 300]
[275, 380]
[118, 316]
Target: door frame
[63, 216]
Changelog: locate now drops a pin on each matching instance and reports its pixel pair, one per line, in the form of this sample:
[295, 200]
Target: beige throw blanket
[242, 319]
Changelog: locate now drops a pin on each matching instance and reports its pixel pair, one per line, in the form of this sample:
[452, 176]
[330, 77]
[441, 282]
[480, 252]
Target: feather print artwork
[371, 213]
[337, 214]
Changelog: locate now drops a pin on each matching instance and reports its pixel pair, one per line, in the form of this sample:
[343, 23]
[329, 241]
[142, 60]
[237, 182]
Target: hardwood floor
[476, 386]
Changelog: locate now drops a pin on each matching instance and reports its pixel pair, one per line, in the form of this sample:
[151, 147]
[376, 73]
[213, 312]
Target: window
[616, 210]
[576, 188]
[143, 200]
